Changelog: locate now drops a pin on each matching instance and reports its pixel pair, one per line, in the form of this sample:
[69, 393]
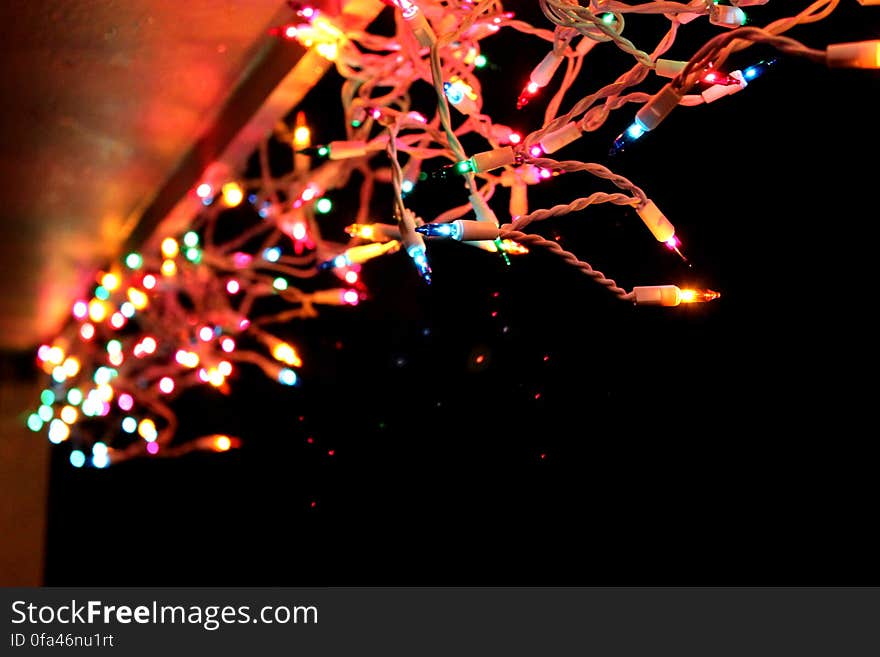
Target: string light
[157, 323]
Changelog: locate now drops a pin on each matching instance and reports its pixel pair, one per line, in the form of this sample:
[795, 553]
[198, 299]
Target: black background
[596, 443]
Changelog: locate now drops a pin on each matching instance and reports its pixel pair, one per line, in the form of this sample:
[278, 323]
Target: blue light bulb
[77, 459]
[454, 93]
[757, 70]
[451, 230]
[636, 130]
[287, 376]
[632, 134]
[420, 258]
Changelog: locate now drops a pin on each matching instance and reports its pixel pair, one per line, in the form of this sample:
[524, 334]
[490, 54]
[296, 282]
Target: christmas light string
[189, 310]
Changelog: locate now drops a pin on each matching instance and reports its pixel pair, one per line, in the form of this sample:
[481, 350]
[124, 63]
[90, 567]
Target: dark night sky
[596, 443]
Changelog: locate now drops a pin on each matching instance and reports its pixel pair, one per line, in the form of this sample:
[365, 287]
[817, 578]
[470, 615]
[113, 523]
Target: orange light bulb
[698, 296]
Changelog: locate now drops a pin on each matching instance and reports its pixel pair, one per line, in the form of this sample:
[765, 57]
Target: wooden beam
[282, 74]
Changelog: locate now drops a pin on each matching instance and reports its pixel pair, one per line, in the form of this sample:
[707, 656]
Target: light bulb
[233, 195]
[671, 295]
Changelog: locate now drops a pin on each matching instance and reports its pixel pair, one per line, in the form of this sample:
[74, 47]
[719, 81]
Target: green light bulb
[34, 422]
[323, 205]
[74, 396]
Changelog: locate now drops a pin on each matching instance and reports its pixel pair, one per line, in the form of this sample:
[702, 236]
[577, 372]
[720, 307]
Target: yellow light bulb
[465, 88]
[71, 367]
[147, 429]
[329, 30]
[374, 232]
[222, 443]
[286, 354]
[358, 254]
[215, 377]
[97, 310]
[698, 296]
[232, 194]
[302, 137]
[513, 248]
[138, 298]
[169, 268]
[69, 414]
[110, 281]
[170, 248]
[105, 392]
[56, 356]
[58, 431]
[329, 51]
